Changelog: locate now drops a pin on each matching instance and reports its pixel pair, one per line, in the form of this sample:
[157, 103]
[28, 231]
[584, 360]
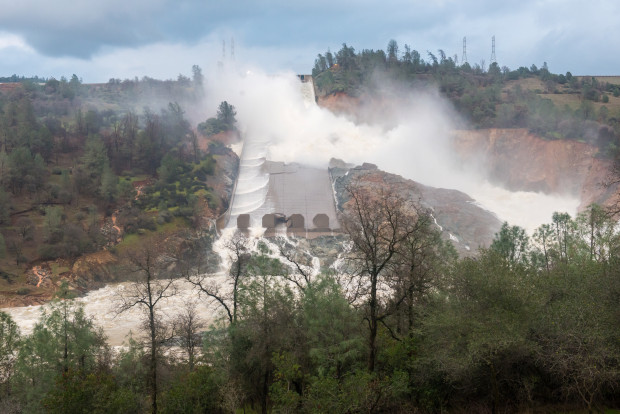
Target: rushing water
[416, 144]
[283, 123]
[251, 188]
[102, 305]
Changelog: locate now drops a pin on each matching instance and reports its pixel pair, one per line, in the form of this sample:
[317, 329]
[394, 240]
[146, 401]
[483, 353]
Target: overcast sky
[103, 39]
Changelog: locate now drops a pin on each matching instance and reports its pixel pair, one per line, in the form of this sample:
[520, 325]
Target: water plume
[414, 141]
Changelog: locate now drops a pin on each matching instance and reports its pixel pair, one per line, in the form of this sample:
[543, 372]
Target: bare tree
[226, 296]
[129, 134]
[148, 290]
[611, 184]
[378, 225]
[193, 139]
[9, 339]
[188, 326]
[421, 259]
[298, 273]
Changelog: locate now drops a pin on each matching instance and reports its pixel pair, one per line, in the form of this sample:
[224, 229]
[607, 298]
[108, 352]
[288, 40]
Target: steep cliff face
[518, 160]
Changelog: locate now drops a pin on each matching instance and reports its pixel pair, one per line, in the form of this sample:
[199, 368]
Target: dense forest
[530, 324]
[73, 158]
[553, 106]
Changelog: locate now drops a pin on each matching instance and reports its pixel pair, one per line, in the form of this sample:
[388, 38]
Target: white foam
[416, 146]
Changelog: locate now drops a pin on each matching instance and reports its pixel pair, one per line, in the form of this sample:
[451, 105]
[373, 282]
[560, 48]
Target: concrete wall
[295, 223]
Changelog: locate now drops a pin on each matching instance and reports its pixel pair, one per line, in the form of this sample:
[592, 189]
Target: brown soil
[518, 160]
[340, 104]
[94, 268]
[9, 87]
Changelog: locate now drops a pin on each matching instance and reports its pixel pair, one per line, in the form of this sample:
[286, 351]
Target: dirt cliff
[341, 104]
[519, 160]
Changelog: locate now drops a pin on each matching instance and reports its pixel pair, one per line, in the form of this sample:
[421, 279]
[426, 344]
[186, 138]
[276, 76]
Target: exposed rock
[326, 248]
[40, 276]
[341, 104]
[367, 166]
[457, 215]
[338, 163]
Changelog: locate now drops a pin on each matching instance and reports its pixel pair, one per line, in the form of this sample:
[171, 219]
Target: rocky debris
[456, 214]
[326, 248]
[111, 230]
[29, 298]
[461, 219]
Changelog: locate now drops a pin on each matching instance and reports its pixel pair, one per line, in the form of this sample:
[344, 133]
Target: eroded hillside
[519, 160]
[515, 158]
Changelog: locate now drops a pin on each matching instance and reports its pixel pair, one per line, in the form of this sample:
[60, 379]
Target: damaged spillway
[279, 197]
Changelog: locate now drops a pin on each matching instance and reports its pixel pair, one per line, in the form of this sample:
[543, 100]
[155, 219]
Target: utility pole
[464, 55]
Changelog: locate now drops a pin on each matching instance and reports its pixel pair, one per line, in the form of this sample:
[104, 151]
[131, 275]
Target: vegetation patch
[554, 106]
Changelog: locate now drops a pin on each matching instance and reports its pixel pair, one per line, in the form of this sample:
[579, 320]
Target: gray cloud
[566, 34]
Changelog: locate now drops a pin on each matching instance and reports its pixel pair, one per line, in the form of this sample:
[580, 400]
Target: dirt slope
[518, 160]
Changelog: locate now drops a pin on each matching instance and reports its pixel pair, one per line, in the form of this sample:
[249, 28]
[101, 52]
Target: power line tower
[232, 48]
[223, 50]
[493, 58]
[464, 55]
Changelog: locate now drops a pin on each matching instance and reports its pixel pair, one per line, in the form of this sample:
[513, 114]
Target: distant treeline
[15, 79]
[487, 97]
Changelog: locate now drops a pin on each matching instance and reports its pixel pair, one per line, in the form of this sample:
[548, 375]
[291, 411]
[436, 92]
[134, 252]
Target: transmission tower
[464, 55]
[493, 59]
[223, 49]
[232, 48]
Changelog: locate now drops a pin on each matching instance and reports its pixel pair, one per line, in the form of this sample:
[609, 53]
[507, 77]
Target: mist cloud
[415, 143]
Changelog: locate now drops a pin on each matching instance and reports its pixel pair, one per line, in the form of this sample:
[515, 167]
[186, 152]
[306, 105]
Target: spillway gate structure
[294, 199]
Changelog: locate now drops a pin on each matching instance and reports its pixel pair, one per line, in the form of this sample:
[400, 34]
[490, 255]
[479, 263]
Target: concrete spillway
[278, 196]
